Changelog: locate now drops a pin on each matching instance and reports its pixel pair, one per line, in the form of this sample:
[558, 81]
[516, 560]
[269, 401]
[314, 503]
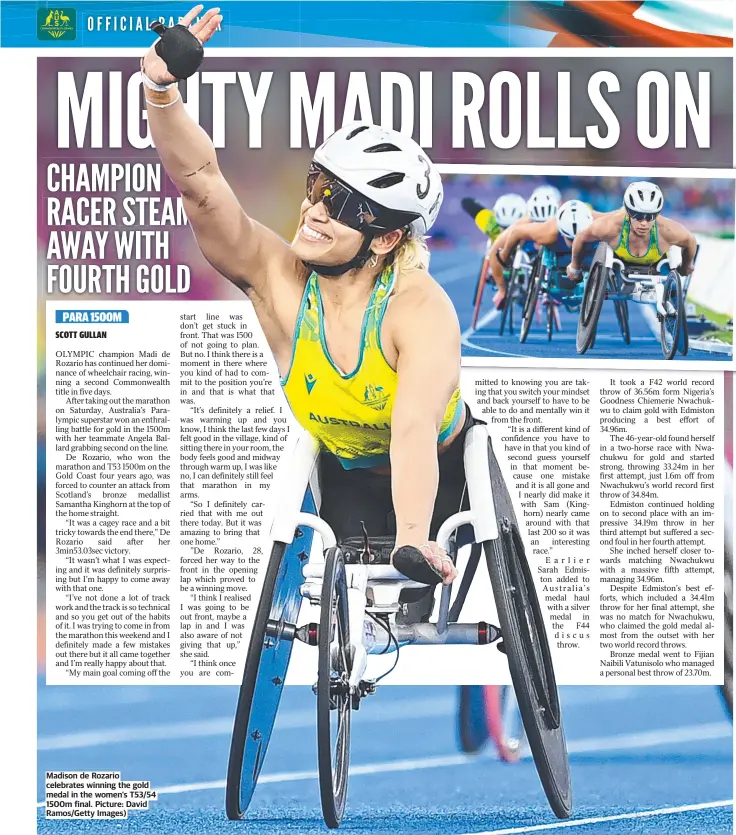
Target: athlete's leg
[351, 498]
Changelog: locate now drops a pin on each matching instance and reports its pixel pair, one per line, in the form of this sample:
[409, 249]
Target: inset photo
[600, 267]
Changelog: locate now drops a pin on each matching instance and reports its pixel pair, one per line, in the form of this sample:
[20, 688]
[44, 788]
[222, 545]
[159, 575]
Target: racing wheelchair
[545, 282]
[357, 592]
[610, 278]
[516, 273]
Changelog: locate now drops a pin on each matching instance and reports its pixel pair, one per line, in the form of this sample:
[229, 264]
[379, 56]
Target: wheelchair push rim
[670, 325]
[527, 651]
[269, 652]
[334, 701]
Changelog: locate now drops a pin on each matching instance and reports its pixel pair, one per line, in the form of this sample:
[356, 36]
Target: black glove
[179, 49]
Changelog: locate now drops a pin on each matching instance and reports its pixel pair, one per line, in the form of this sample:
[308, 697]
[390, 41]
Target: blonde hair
[410, 254]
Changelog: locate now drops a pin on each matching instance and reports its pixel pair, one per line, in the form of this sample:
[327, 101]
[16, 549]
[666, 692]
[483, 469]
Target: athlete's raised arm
[241, 249]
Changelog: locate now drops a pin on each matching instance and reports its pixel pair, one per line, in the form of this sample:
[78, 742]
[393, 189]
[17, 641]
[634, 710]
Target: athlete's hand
[437, 557]
[687, 270]
[573, 271]
[155, 67]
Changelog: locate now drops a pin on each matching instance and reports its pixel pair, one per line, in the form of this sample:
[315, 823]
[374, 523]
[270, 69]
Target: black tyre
[334, 703]
[527, 650]
[266, 663]
[480, 281]
[532, 294]
[670, 325]
[550, 319]
[485, 271]
[590, 307]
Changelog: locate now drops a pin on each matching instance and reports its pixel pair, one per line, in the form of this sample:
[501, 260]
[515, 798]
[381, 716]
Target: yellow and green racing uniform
[653, 253]
[349, 414]
[486, 221]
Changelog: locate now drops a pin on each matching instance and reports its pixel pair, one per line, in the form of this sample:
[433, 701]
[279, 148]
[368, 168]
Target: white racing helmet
[400, 183]
[542, 206]
[551, 190]
[572, 217]
[644, 198]
[509, 208]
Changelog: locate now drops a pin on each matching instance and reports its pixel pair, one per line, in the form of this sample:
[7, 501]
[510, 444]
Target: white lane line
[482, 322]
[470, 344]
[649, 813]
[405, 710]
[646, 739]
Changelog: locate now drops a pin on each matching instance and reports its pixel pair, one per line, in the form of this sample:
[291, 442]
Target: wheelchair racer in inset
[507, 210]
[513, 209]
[541, 207]
[639, 236]
[557, 234]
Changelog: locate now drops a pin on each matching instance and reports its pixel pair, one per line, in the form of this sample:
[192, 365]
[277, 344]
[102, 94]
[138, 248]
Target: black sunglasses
[350, 207]
[642, 215]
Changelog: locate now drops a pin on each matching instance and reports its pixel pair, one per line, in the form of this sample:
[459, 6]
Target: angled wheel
[590, 307]
[480, 286]
[333, 690]
[266, 663]
[473, 730]
[490, 712]
[507, 315]
[670, 325]
[527, 650]
[532, 294]
[504, 721]
[550, 319]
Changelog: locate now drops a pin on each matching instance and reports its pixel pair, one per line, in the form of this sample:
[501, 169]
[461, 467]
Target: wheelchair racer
[540, 208]
[366, 342]
[507, 210]
[639, 236]
[557, 234]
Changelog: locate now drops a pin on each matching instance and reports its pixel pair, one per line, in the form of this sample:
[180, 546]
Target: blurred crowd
[703, 205]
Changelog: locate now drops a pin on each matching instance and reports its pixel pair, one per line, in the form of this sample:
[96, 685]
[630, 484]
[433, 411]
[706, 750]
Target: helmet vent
[356, 131]
[387, 180]
[381, 147]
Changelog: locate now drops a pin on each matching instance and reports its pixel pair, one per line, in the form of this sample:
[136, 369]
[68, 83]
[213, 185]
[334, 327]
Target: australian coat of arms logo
[55, 24]
[375, 397]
